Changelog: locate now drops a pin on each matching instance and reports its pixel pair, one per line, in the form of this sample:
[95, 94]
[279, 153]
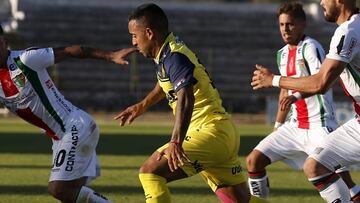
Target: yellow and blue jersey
[177, 67]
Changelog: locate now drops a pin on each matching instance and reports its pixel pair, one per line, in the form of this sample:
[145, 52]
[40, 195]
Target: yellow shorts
[213, 151]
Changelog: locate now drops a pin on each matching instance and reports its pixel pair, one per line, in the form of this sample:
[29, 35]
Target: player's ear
[149, 33]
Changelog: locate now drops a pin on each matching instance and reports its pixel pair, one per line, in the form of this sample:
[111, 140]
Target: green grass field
[25, 160]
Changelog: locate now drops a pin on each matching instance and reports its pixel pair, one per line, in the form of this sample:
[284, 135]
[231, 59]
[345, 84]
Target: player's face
[140, 38]
[291, 29]
[331, 11]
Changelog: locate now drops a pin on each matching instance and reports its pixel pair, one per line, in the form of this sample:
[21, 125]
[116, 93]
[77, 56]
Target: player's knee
[59, 192]
[256, 161]
[146, 168]
[312, 168]
[56, 192]
[149, 166]
[250, 162]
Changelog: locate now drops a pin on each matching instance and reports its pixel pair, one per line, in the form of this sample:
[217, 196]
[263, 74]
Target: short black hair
[293, 8]
[151, 15]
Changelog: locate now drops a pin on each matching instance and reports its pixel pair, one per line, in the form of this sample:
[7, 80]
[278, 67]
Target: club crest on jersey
[299, 50]
[19, 80]
[49, 84]
[300, 63]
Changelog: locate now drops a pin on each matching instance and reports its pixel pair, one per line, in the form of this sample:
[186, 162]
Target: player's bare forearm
[132, 112]
[78, 51]
[154, 96]
[184, 110]
[318, 83]
[282, 113]
[306, 85]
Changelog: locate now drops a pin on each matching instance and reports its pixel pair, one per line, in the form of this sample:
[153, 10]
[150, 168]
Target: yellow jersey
[177, 67]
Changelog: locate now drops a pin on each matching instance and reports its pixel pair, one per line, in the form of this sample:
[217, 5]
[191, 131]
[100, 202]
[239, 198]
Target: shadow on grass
[115, 168]
[121, 144]
[26, 167]
[299, 192]
[39, 189]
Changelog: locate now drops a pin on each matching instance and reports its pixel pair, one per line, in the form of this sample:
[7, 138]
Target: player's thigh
[161, 168]
[287, 142]
[226, 174]
[74, 156]
[210, 145]
[341, 148]
[315, 137]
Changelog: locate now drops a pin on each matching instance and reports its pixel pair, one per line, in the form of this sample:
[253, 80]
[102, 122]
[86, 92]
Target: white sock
[354, 190]
[332, 191]
[87, 195]
[259, 187]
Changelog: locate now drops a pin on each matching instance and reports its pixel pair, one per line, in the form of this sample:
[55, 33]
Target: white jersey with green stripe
[28, 91]
[305, 60]
[345, 47]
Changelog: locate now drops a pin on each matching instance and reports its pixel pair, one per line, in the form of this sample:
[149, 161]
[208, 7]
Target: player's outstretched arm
[120, 55]
[132, 112]
[314, 84]
[318, 83]
[184, 110]
[77, 51]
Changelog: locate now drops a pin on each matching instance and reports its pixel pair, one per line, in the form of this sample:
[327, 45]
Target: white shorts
[74, 156]
[342, 148]
[291, 144]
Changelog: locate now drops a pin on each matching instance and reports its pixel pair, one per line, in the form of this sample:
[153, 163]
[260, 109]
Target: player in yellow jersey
[204, 140]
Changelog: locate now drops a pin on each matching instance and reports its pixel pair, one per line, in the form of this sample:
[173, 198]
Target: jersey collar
[169, 38]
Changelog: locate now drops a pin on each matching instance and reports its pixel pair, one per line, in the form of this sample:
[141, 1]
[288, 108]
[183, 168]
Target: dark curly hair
[152, 16]
[293, 8]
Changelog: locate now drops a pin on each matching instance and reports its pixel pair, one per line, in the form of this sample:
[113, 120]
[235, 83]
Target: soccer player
[27, 90]
[311, 119]
[342, 147]
[204, 140]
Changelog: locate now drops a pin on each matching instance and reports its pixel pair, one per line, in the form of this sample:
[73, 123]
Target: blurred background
[228, 36]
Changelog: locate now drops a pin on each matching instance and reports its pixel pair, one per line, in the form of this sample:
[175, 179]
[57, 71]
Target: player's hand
[130, 113]
[175, 154]
[119, 56]
[286, 102]
[262, 77]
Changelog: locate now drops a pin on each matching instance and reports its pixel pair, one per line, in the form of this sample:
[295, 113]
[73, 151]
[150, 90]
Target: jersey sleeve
[181, 70]
[344, 45]
[38, 58]
[314, 56]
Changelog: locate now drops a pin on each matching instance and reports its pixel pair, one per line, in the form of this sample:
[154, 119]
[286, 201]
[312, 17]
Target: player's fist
[262, 77]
